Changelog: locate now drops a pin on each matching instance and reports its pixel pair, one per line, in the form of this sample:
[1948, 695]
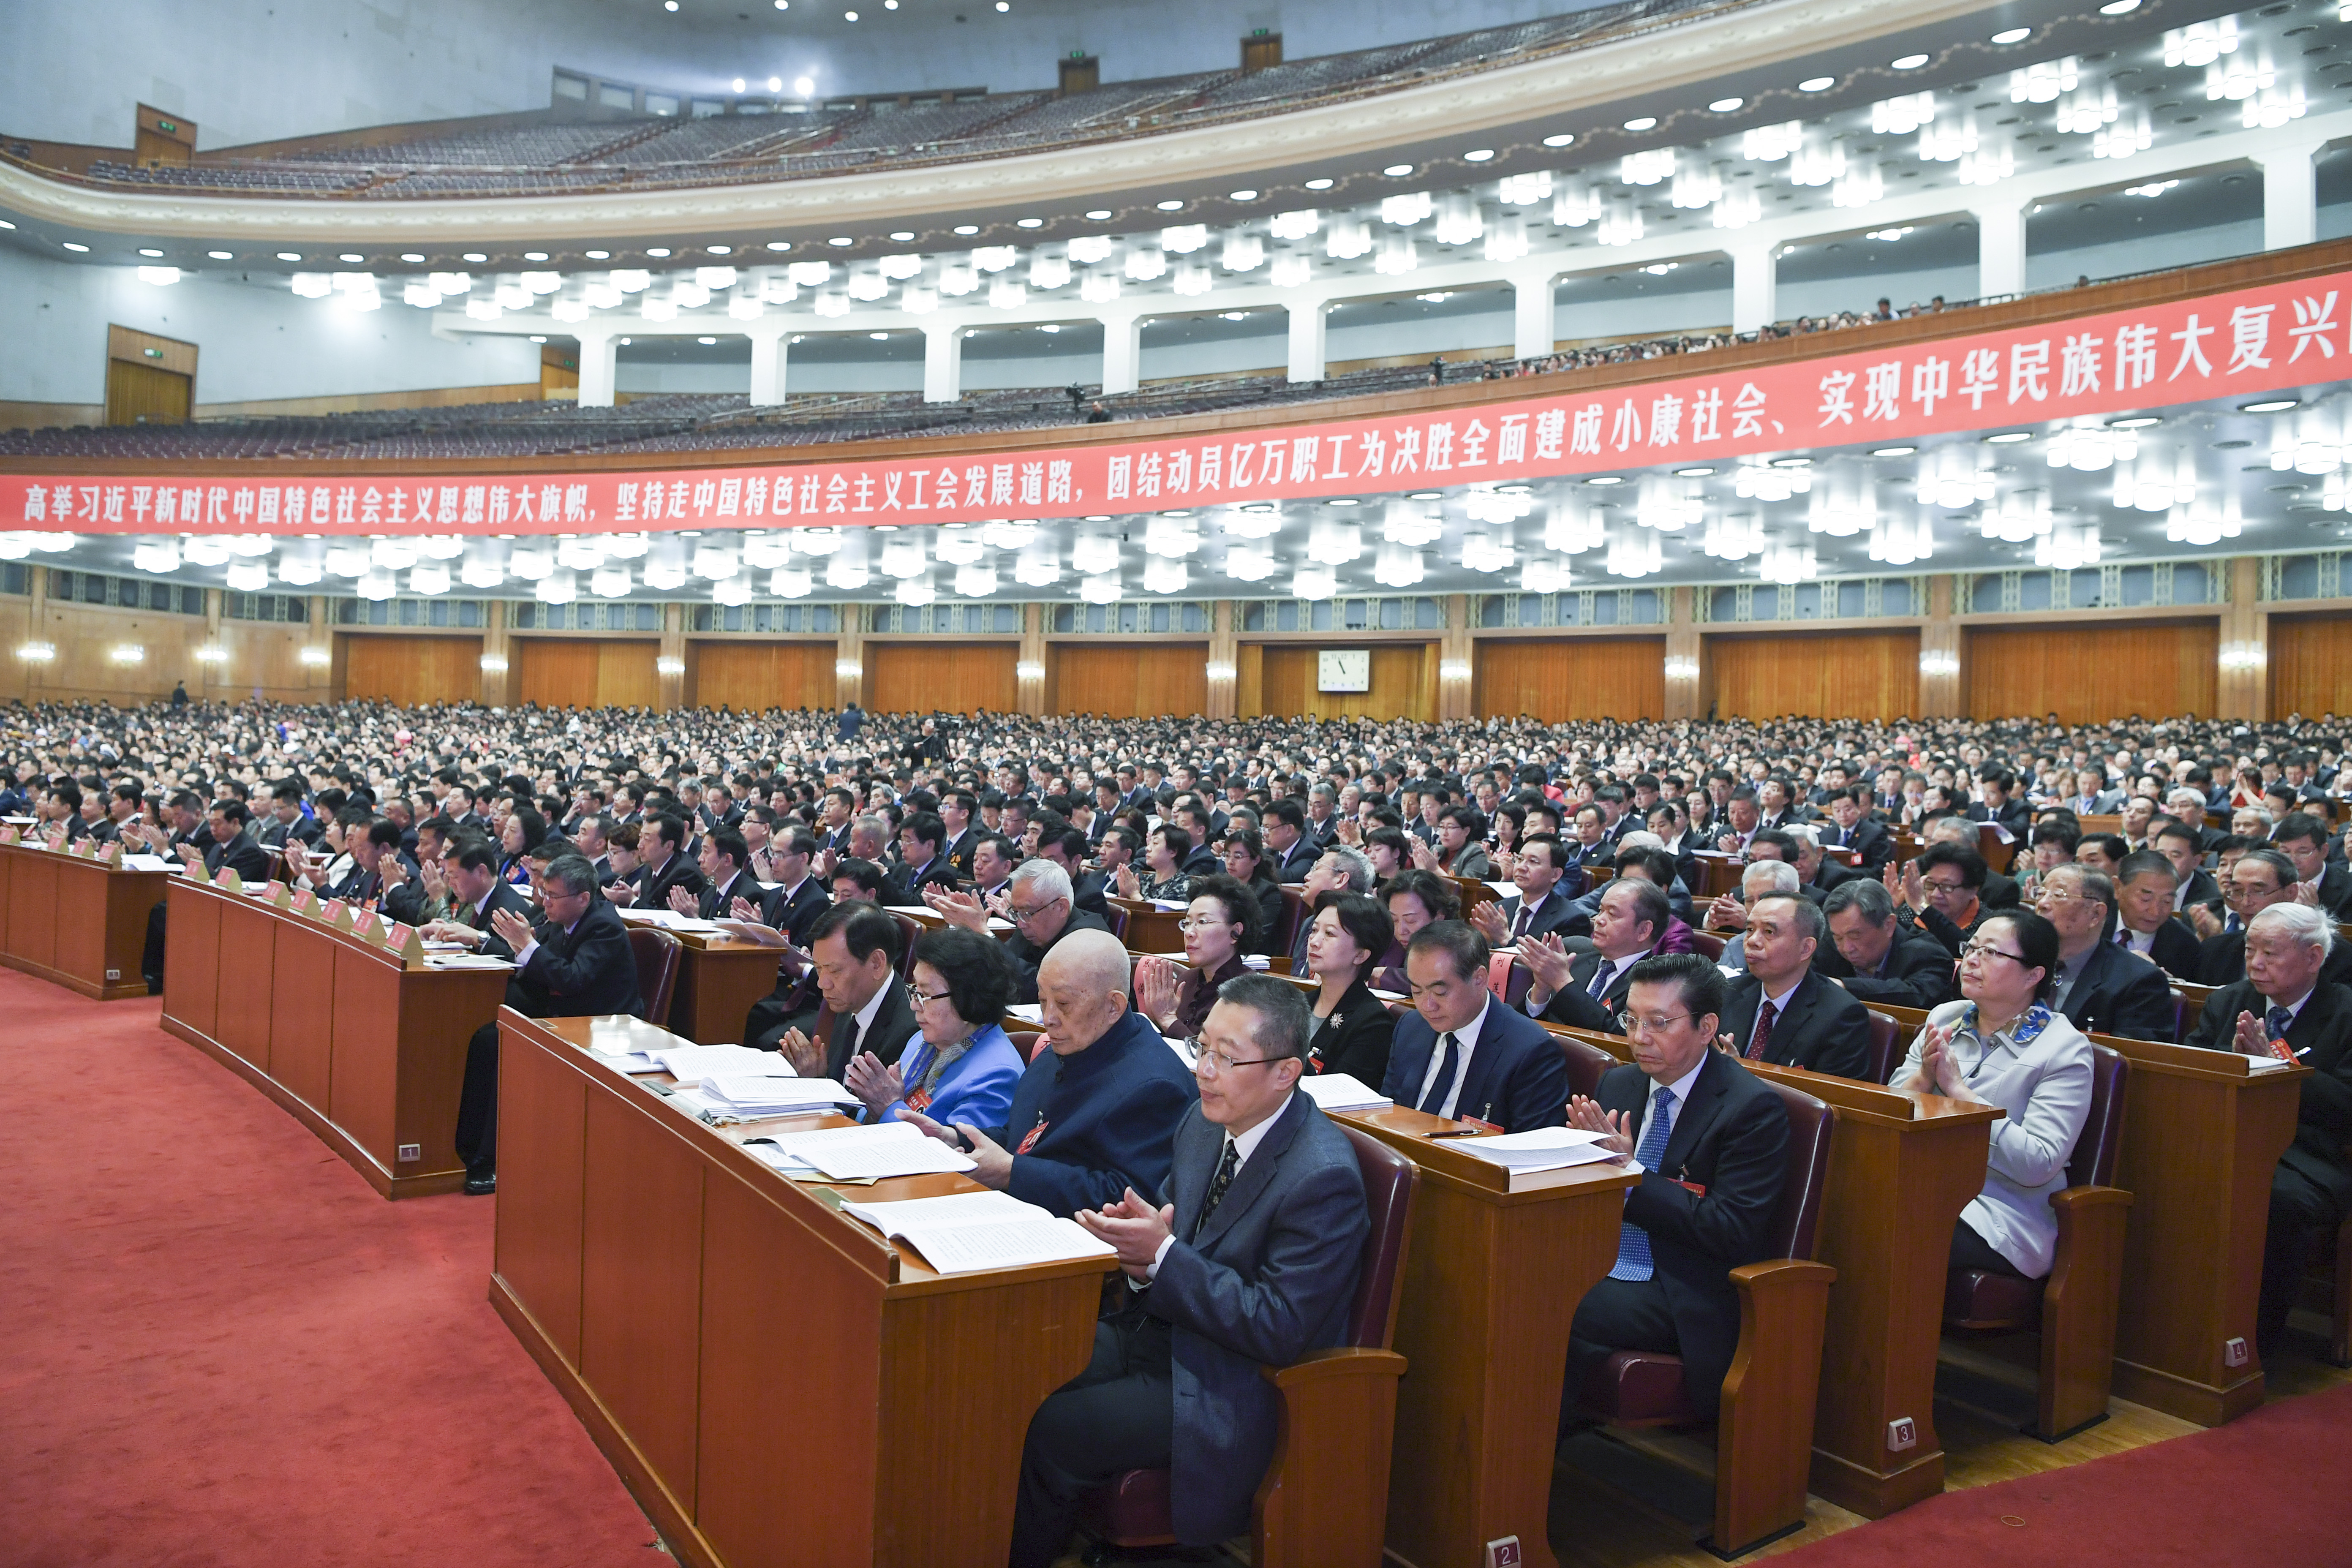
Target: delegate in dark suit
[1260, 1279]
[1916, 973]
[893, 1024]
[1728, 1144]
[678, 871]
[2175, 949]
[1027, 955]
[1356, 1039]
[241, 855]
[2119, 991]
[2221, 960]
[1516, 1077]
[1578, 1008]
[1866, 839]
[1822, 1029]
[1086, 1127]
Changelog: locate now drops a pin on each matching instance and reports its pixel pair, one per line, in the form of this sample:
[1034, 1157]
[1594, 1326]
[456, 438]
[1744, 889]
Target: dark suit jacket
[1825, 1028]
[894, 1025]
[2120, 993]
[1555, 912]
[1088, 890]
[794, 915]
[711, 904]
[1517, 1077]
[1027, 955]
[938, 872]
[586, 971]
[1916, 973]
[1103, 1120]
[1869, 840]
[2323, 1031]
[1355, 1039]
[959, 854]
[2336, 889]
[249, 861]
[504, 895]
[1293, 866]
[678, 871]
[1269, 918]
[1578, 1009]
[1266, 1277]
[2176, 950]
[1730, 1142]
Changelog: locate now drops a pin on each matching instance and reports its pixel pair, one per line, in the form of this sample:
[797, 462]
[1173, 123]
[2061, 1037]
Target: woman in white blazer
[2002, 1045]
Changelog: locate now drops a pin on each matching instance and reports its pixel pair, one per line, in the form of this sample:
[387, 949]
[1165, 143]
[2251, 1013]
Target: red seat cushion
[1635, 1388]
[1974, 1298]
[1132, 1510]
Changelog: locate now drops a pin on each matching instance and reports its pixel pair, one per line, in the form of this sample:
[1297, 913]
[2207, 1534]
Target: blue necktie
[1602, 976]
[1633, 1242]
[1450, 1063]
[2275, 1022]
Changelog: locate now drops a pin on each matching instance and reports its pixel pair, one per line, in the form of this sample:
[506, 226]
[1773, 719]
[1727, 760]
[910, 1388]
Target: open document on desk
[964, 1232]
[861, 1153]
[1539, 1150]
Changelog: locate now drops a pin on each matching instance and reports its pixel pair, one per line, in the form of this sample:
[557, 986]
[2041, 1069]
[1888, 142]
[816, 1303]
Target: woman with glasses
[1245, 862]
[2003, 1045]
[1352, 1029]
[961, 1066]
[1218, 926]
[622, 854]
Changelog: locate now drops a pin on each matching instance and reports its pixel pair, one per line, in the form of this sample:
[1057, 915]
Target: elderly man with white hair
[1038, 902]
[2284, 1009]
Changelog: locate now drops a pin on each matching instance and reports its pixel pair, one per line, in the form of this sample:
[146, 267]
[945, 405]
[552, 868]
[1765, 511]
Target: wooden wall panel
[264, 657]
[412, 671]
[1824, 675]
[1555, 679]
[586, 672]
[2311, 664]
[2089, 674]
[753, 677]
[955, 677]
[1149, 680]
[1278, 681]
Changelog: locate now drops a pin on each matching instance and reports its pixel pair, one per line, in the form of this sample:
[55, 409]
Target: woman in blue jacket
[960, 1066]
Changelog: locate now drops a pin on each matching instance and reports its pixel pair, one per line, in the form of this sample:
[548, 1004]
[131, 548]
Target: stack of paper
[747, 1097]
[667, 920]
[885, 1149]
[967, 1232]
[692, 1064]
[1543, 1149]
[1028, 1012]
[465, 961]
[626, 1061]
[1342, 1092]
[148, 863]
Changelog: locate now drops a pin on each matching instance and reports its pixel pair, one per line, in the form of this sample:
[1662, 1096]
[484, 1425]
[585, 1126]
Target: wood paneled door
[412, 671]
[587, 672]
[2087, 675]
[753, 677]
[1152, 680]
[1557, 679]
[2311, 664]
[954, 678]
[1842, 675]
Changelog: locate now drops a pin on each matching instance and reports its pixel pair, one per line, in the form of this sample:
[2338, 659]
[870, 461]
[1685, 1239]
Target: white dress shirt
[1243, 1145]
[1466, 1039]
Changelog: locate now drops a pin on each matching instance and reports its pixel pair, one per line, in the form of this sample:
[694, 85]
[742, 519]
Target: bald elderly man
[1097, 1112]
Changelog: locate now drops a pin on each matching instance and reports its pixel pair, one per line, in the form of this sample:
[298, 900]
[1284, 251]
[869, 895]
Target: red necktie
[1763, 1035]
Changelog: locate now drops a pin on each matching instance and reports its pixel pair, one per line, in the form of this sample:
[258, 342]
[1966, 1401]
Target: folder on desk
[885, 1149]
[692, 1064]
[1333, 1091]
[964, 1232]
[747, 1098]
[1539, 1149]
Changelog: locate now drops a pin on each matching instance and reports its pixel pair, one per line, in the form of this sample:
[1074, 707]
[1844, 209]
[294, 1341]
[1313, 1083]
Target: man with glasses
[1709, 1138]
[574, 963]
[1464, 1056]
[2102, 986]
[2260, 879]
[2144, 886]
[1586, 992]
[1038, 901]
[2285, 1006]
[1779, 1011]
[1940, 890]
[854, 951]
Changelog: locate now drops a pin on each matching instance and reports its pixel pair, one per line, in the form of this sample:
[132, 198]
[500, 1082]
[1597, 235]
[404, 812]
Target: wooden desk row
[74, 919]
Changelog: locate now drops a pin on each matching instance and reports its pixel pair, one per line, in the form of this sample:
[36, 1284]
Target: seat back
[1796, 1222]
[1586, 1063]
[1709, 945]
[1116, 921]
[1887, 1048]
[1508, 979]
[1026, 1041]
[1280, 940]
[2093, 1163]
[659, 956]
[910, 927]
[1388, 1182]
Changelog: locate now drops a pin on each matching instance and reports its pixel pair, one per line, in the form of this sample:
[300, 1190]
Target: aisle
[224, 1350]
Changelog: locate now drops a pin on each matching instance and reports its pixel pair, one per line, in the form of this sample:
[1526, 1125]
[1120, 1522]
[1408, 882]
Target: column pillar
[2001, 249]
[1533, 330]
[1940, 651]
[319, 677]
[1122, 352]
[1225, 661]
[849, 658]
[2241, 687]
[1453, 661]
[211, 674]
[1755, 271]
[1685, 653]
[1029, 674]
[669, 663]
[599, 354]
[944, 362]
[2290, 196]
[770, 348]
[1308, 320]
[494, 673]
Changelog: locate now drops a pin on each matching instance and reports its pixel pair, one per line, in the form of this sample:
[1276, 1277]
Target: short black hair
[863, 928]
[1699, 982]
[729, 843]
[926, 828]
[864, 873]
[1464, 948]
[1240, 905]
[1436, 895]
[1283, 1021]
[472, 854]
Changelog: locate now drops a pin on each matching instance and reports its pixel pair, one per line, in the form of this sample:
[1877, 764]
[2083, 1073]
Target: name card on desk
[363, 925]
[112, 855]
[337, 914]
[229, 881]
[304, 902]
[280, 896]
[10, 835]
[404, 940]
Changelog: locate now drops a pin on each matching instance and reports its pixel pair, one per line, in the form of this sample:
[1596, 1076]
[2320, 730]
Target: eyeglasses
[1944, 889]
[925, 998]
[1634, 1024]
[1987, 950]
[1200, 922]
[1032, 912]
[1212, 1064]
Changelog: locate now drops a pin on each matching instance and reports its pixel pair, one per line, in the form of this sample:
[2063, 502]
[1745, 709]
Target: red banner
[2235, 344]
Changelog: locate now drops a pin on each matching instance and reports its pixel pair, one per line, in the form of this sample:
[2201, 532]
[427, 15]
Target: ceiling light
[1477, 155]
[1643, 122]
[1817, 84]
[146, 252]
[2270, 405]
[776, 83]
[2010, 437]
[476, 256]
[2134, 422]
[739, 84]
[967, 229]
[1726, 105]
[1606, 479]
[222, 254]
[1029, 223]
[1698, 473]
[1397, 171]
[1908, 62]
[1170, 206]
[1096, 214]
[1317, 184]
[1893, 451]
[2119, 7]
[1242, 196]
[1560, 139]
[527, 256]
[2013, 35]
[282, 255]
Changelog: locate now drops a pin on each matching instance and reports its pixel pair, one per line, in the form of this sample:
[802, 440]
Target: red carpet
[223, 1349]
[2268, 1488]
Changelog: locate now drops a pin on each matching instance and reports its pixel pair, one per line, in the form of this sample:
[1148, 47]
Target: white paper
[146, 863]
[1028, 1012]
[627, 1061]
[1540, 1149]
[464, 961]
[1013, 1244]
[887, 1149]
[692, 1064]
[754, 1096]
[1342, 1092]
[986, 1208]
[1504, 890]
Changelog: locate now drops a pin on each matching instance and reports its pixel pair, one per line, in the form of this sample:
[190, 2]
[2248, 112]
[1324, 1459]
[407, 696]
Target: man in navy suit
[1543, 903]
[1588, 990]
[1250, 1264]
[1095, 1116]
[2102, 987]
[1780, 1011]
[2145, 885]
[1710, 1138]
[1464, 1055]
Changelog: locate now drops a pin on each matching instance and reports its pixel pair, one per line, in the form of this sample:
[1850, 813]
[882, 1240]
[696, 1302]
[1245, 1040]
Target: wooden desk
[1901, 1167]
[76, 921]
[776, 1384]
[365, 1053]
[1492, 1279]
[1149, 929]
[718, 979]
[2200, 1138]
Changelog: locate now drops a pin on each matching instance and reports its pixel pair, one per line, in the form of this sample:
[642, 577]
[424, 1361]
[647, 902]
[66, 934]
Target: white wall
[253, 342]
[247, 70]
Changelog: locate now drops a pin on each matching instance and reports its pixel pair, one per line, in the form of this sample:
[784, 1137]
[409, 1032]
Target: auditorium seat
[658, 955]
[1709, 945]
[910, 931]
[1324, 1500]
[1294, 913]
[1586, 1062]
[2075, 1308]
[1764, 1432]
[1889, 1042]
